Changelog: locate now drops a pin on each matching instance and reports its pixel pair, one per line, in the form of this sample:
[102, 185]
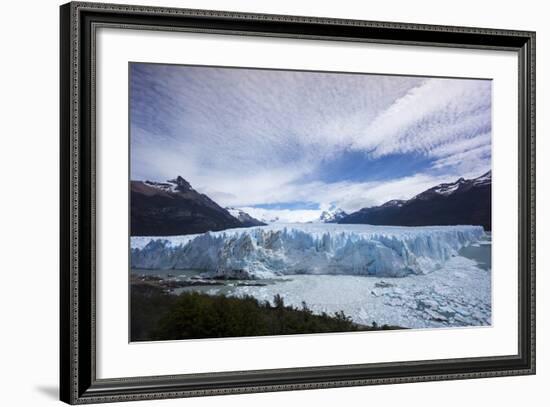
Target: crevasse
[268, 251]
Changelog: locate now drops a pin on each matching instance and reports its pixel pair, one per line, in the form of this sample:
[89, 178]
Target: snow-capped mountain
[270, 219]
[332, 216]
[269, 216]
[485, 179]
[177, 184]
[244, 217]
[175, 208]
[459, 186]
[463, 202]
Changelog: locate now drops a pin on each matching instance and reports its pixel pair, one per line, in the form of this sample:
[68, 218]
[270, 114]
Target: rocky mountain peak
[181, 184]
[332, 216]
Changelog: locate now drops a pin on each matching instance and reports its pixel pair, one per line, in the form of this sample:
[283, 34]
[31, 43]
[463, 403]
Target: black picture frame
[78, 382]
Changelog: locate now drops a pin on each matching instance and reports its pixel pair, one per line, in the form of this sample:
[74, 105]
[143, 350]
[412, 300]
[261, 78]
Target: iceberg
[285, 249]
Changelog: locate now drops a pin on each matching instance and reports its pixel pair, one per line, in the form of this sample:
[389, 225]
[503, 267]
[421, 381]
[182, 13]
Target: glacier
[294, 249]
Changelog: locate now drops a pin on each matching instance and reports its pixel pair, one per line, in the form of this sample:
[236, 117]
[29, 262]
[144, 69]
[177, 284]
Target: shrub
[156, 315]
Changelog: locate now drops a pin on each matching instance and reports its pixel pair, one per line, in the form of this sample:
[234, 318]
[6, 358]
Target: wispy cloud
[247, 137]
[348, 196]
[438, 112]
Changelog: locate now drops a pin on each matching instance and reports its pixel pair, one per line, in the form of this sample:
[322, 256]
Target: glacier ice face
[273, 250]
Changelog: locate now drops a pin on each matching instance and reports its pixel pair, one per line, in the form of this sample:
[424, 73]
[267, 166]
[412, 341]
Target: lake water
[457, 294]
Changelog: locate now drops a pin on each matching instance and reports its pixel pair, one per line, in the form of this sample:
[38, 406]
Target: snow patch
[234, 212]
[168, 186]
[447, 190]
[484, 179]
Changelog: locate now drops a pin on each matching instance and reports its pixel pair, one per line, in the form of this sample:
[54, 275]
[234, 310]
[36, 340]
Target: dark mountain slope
[244, 218]
[464, 202]
[174, 208]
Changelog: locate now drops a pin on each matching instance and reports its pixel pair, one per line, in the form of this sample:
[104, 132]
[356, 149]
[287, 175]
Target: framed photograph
[255, 203]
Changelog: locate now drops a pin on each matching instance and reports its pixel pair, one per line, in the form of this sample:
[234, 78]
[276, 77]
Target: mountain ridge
[463, 202]
[245, 218]
[174, 207]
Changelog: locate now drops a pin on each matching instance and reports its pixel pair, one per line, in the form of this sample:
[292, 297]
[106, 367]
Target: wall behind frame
[29, 163]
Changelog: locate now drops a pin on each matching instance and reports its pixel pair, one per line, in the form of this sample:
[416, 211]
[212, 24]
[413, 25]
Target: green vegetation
[156, 315]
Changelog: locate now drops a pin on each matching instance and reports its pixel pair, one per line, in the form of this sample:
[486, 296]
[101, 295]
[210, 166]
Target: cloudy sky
[295, 143]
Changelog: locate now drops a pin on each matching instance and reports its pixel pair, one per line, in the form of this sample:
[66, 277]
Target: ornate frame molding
[79, 21]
